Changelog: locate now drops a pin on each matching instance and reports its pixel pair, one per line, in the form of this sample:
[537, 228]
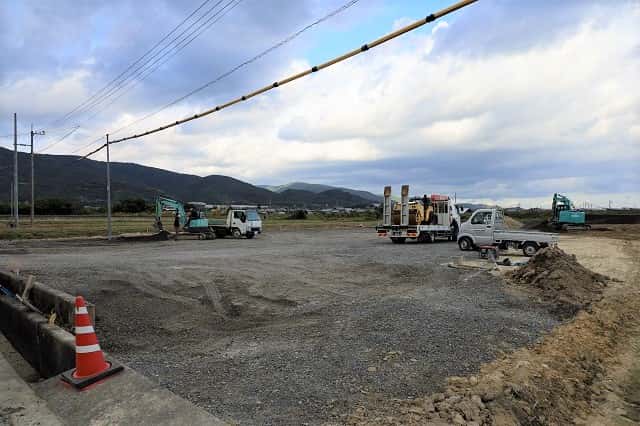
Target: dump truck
[486, 227]
[238, 223]
[565, 215]
[424, 219]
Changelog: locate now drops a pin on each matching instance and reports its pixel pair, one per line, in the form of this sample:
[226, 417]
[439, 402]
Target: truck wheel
[529, 248]
[424, 237]
[465, 243]
[398, 240]
[236, 233]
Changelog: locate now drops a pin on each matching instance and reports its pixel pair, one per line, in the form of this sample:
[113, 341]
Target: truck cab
[486, 227]
[482, 224]
[254, 222]
[238, 223]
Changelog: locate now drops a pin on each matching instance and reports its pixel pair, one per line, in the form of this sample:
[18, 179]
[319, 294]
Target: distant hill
[68, 178]
[318, 188]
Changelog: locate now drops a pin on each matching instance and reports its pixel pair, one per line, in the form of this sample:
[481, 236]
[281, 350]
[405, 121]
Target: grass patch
[94, 226]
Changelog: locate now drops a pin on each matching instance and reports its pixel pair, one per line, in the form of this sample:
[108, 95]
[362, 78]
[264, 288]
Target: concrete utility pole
[15, 170]
[108, 193]
[11, 192]
[33, 185]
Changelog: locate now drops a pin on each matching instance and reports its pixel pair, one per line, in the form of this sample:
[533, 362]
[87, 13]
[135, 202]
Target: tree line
[55, 206]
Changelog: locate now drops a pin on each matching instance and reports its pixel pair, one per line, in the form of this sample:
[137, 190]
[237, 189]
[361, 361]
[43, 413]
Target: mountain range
[317, 188]
[69, 178]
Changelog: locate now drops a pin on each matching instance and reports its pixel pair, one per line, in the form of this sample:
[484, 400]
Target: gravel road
[290, 327]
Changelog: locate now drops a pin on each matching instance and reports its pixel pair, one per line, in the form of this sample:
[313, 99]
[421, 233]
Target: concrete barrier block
[20, 326]
[57, 350]
[47, 299]
[48, 348]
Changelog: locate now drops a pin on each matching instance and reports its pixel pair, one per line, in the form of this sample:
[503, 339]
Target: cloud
[504, 101]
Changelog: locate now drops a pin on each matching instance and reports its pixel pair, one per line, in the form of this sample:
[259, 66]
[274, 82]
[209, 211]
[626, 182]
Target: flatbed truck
[441, 222]
[486, 227]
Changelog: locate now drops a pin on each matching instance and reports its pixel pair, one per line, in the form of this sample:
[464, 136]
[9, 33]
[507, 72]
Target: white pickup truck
[486, 228]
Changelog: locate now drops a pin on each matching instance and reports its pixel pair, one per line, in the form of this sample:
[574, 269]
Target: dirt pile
[557, 277]
[551, 383]
[512, 223]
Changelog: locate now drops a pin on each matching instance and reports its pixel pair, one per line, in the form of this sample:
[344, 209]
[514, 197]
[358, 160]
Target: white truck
[424, 219]
[486, 227]
[238, 223]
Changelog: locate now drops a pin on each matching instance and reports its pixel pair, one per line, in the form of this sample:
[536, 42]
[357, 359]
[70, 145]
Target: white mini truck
[486, 228]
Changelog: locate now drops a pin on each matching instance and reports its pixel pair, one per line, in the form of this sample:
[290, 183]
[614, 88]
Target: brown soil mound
[512, 223]
[559, 381]
[558, 278]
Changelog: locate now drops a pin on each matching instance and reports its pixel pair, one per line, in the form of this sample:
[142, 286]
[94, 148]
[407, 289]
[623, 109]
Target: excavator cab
[565, 214]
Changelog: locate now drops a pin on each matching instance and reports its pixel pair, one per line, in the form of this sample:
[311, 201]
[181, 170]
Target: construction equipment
[192, 216]
[565, 215]
[424, 219]
[238, 223]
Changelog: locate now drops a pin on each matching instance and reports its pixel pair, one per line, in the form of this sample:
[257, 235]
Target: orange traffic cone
[90, 363]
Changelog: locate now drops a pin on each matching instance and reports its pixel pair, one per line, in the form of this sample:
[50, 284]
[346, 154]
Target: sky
[502, 101]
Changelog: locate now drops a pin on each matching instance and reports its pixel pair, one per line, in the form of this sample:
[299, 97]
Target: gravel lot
[290, 327]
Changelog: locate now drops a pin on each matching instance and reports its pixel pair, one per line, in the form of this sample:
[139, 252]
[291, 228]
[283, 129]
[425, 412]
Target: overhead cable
[249, 61]
[137, 61]
[316, 68]
[51, 145]
[145, 71]
[154, 62]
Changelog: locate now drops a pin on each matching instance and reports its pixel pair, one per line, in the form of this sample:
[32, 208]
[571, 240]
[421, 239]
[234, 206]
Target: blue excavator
[565, 215]
[192, 216]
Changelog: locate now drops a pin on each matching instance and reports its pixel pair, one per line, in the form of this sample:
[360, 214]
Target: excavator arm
[163, 203]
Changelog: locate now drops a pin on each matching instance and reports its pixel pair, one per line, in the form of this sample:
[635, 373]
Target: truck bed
[538, 237]
[431, 228]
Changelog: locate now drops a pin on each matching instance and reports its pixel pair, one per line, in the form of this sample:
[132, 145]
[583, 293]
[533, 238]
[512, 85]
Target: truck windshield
[481, 218]
[252, 215]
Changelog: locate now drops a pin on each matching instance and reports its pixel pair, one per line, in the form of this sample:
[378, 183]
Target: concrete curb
[126, 398]
[48, 348]
[46, 298]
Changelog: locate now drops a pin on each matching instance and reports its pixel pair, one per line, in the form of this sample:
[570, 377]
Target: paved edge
[125, 398]
[19, 405]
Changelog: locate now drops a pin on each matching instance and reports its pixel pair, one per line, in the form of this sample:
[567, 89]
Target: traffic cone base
[91, 366]
[82, 382]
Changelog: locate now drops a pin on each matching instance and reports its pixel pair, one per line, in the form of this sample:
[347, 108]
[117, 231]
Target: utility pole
[15, 171]
[33, 185]
[11, 191]
[108, 193]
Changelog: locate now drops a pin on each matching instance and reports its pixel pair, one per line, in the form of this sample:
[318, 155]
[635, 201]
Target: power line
[123, 73]
[83, 147]
[51, 145]
[262, 54]
[299, 75]
[148, 70]
[226, 74]
[146, 66]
